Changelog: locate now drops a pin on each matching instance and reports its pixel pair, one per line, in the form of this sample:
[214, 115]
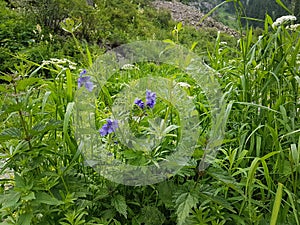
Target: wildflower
[293, 27]
[282, 20]
[139, 103]
[183, 84]
[109, 127]
[129, 67]
[85, 81]
[150, 98]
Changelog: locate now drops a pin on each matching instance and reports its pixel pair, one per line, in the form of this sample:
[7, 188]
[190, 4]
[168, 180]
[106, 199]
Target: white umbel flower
[282, 20]
[293, 27]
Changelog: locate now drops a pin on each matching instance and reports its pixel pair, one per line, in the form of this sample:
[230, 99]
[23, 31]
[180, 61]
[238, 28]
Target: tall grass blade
[279, 2]
[211, 11]
[276, 205]
[69, 85]
[292, 201]
[68, 113]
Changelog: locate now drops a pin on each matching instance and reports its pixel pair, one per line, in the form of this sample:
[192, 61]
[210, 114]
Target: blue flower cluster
[112, 125]
[150, 100]
[109, 127]
[85, 81]
[139, 103]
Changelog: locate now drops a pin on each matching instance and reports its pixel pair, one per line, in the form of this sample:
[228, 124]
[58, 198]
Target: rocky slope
[191, 15]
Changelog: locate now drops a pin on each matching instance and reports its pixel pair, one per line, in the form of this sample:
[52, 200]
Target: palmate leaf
[184, 204]
[10, 133]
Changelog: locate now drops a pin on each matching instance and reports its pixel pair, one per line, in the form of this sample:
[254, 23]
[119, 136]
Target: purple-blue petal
[150, 98]
[109, 127]
[89, 86]
[139, 103]
[83, 72]
[85, 81]
[103, 130]
[115, 125]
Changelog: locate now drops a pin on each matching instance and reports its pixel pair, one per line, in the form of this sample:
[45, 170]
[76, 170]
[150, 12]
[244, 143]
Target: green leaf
[268, 21]
[295, 154]
[29, 197]
[89, 57]
[276, 205]
[10, 133]
[279, 2]
[69, 86]
[184, 204]
[211, 11]
[6, 78]
[67, 116]
[42, 197]
[24, 83]
[25, 219]
[45, 99]
[179, 26]
[150, 215]
[120, 205]
[194, 45]
[297, 79]
[251, 174]
[169, 41]
[3, 88]
[165, 192]
[10, 200]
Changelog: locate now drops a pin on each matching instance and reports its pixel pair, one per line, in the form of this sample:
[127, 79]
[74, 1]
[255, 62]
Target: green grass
[253, 180]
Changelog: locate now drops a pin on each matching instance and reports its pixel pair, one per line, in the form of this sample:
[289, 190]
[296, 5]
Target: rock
[6, 176]
[191, 15]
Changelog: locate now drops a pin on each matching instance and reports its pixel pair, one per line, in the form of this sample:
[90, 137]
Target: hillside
[191, 15]
[256, 9]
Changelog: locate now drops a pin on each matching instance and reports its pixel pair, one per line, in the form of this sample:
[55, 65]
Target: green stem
[27, 136]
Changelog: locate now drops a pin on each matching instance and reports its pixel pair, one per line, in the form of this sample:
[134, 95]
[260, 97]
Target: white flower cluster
[282, 20]
[129, 67]
[293, 27]
[60, 63]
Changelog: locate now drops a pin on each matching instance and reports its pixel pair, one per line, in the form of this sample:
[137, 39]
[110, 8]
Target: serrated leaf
[6, 78]
[24, 83]
[184, 204]
[10, 133]
[120, 205]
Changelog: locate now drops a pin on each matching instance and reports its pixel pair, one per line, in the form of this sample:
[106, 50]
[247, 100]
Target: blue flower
[139, 103]
[109, 127]
[150, 98]
[85, 81]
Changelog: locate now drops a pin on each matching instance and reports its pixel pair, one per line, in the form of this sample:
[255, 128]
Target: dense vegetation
[254, 10]
[45, 48]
